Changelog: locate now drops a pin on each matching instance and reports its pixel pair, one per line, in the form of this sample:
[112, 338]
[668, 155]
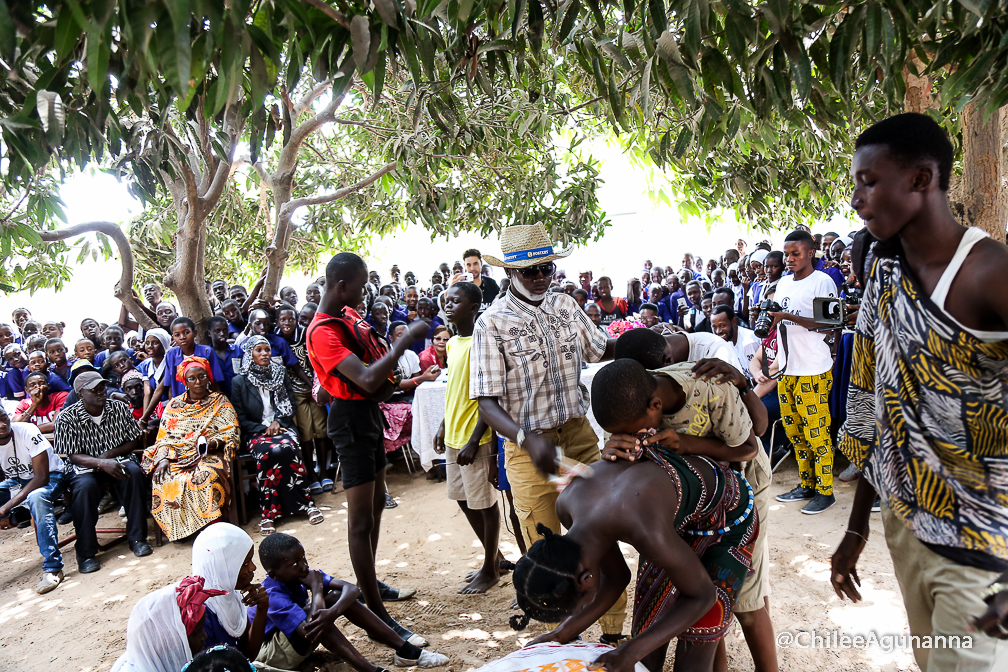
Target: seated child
[42, 404]
[132, 386]
[57, 354]
[38, 362]
[16, 362]
[691, 519]
[295, 624]
[113, 338]
[84, 349]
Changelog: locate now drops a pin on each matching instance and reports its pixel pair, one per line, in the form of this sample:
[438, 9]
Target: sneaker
[408, 635]
[819, 504]
[427, 659]
[49, 582]
[390, 594]
[778, 456]
[105, 503]
[65, 518]
[851, 473]
[877, 506]
[799, 494]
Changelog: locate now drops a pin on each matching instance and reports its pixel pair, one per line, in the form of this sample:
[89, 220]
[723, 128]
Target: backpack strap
[352, 342]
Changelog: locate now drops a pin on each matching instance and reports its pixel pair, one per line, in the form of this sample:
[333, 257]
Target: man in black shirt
[474, 265]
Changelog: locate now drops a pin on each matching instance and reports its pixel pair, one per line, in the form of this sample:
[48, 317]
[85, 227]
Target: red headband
[190, 595]
[188, 363]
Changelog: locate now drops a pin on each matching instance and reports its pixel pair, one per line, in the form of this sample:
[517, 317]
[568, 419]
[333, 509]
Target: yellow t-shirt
[461, 412]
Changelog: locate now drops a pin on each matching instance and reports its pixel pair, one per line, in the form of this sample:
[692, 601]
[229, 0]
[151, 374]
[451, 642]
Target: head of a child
[425, 308]
[119, 362]
[56, 352]
[289, 294]
[30, 328]
[261, 322]
[7, 335]
[800, 253]
[287, 320]
[84, 349]
[283, 558]
[623, 398]
[34, 343]
[37, 361]
[113, 338]
[232, 313]
[411, 297]
[346, 275]
[133, 387]
[14, 356]
[649, 348]
[397, 329]
[307, 314]
[217, 329]
[165, 314]
[462, 303]
[183, 332]
[313, 293]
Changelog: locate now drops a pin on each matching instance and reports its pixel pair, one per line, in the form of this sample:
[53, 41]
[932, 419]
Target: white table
[429, 406]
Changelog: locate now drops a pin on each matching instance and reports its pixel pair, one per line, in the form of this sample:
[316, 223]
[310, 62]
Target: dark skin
[20, 316]
[289, 294]
[907, 202]
[113, 339]
[185, 339]
[253, 594]
[37, 387]
[165, 314]
[485, 522]
[89, 329]
[156, 352]
[611, 507]
[313, 294]
[287, 320]
[800, 260]
[605, 295]
[40, 473]
[540, 448]
[152, 294]
[218, 338]
[94, 403]
[37, 362]
[411, 297]
[325, 606]
[219, 289]
[85, 349]
[197, 638]
[366, 502]
[6, 337]
[197, 382]
[57, 354]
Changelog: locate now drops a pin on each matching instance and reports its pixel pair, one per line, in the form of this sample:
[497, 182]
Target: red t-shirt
[326, 350]
[43, 414]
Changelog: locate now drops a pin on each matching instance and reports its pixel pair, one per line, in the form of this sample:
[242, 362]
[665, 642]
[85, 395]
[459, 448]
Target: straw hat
[525, 245]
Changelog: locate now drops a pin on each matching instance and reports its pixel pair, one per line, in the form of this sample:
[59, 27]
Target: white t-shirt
[26, 442]
[807, 352]
[409, 364]
[707, 346]
[747, 344]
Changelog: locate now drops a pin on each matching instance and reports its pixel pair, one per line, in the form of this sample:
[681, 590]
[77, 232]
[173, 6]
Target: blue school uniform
[100, 358]
[420, 345]
[57, 384]
[54, 371]
[174, 357]
[149, 371]
[14, 384]
[216, 635]
[230, 365]
[287, 603]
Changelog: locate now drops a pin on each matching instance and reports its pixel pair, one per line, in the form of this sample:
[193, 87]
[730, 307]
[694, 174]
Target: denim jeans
[40, 504]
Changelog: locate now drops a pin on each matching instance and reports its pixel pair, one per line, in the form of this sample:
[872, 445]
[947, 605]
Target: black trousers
[86, 490]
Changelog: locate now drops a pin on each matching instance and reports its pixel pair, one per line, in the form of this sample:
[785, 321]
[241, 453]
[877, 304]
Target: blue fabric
[834, 273]
[280, 350]
[57, 384]
[841, 378]
[232, 329]
[174, 357]
[228, 365]
[526, 255]
[502, 479]
[287, 604]
[100, 358]
[148, 369]
[14, 384]
[419, 345]
[40, 504]
[216, 635]
[66, 378]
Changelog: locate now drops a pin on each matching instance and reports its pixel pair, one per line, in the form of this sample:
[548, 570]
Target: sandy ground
[426, 544]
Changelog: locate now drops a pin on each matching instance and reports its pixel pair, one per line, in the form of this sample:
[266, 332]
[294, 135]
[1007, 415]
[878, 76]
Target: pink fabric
[399, 424]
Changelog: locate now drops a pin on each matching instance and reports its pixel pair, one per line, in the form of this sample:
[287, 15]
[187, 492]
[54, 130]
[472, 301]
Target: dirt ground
[426, 544]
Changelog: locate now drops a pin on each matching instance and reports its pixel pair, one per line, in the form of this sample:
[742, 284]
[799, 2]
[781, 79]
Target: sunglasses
[531, 272]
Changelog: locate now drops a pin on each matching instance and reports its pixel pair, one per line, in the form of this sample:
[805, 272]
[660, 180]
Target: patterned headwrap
[130, 375]
[266, 378]
[190, 595]
[190, 362]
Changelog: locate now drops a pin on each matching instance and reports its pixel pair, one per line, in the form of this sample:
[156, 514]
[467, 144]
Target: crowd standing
[884, 341]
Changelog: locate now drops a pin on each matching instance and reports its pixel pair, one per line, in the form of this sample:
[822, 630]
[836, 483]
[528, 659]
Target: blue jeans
[40, 504]
[772, 403]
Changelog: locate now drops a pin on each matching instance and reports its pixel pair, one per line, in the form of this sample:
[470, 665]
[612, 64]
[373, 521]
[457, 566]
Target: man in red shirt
[354, 366]
[41, 407]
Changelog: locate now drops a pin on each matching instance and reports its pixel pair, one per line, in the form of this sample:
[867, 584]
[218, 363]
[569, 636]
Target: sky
[640, 229]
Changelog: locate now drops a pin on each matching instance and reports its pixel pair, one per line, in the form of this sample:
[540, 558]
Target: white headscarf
[156, 638]
[165, 340]
[759, 256]
[219, 553]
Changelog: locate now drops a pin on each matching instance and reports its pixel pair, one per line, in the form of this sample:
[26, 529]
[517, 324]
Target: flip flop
[315, 488]
[327, 485]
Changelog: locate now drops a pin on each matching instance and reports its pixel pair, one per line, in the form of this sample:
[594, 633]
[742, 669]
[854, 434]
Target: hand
[551, 636]
[5, 511]
[467, 455]
[622, 447]
[456, 278]
[614, 661]
[439, 446]
[113, 469]
[258, 304]
[843, 567]
[417, 329]
[666, 438]
[852, 312]
[161, 469]
[411, 315]
[720, 371]
[215, 446]
[257, 596]
[5, 524]
[431, 374]
[760, 378]
[542, 450]
[273, 429]
[323, 397]
[318, 623]
[994, 621]
[314, 581]
[683, 309]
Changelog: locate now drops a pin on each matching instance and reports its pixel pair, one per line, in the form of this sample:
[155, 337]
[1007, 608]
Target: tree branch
[333, 13]
[124, 288]
[289, 207]
[309, 98]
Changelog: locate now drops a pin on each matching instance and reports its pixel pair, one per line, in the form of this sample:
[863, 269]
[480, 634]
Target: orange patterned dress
[192, 493]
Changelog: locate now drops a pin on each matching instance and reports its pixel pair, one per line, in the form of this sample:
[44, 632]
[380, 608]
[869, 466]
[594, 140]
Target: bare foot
[500, 559]
[481, 583]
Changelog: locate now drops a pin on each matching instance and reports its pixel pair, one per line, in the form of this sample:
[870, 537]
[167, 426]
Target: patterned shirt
[529, 357]
[76, 432]
[927, 419]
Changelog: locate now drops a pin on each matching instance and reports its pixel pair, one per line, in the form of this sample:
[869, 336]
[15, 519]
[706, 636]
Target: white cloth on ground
[156, 638]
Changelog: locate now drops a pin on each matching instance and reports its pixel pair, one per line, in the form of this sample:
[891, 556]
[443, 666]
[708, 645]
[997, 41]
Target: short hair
[285, 306]
[220, 659]
[776, 254]
[691, 283]
[642, 345]
[469, 289]
[606, 278]
[912, 138]
[724, 310]
[234, 287]
[44, 374]
[395, 325]
[622, 393]
[413, 287]
[343, 267]
[649, 306]
[315, 284]
[215, 319]
[54, 341]
[725, 290]
[472, 252]
[225, 302]
[580, 292]
[707, 295]
[182, 319]
[545, 579]
[115, 327]
[802, 237]
[275, 548]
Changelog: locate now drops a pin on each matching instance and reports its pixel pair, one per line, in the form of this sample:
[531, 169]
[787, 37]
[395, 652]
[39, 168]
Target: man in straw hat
[525, 369]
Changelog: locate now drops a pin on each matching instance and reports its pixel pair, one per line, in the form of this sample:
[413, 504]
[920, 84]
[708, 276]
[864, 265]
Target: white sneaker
[49, 582]
[427, 659]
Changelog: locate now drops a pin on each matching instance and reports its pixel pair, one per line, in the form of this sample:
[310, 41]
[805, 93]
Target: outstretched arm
[372, 377]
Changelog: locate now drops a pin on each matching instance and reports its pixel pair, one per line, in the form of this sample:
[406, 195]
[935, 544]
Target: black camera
[764, 323]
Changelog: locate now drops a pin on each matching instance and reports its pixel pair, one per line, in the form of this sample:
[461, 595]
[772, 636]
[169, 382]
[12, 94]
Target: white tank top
[972, 236]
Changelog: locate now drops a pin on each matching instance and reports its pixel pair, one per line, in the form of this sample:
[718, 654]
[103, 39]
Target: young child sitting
[296, 624]
[468, 440]
[84, 349]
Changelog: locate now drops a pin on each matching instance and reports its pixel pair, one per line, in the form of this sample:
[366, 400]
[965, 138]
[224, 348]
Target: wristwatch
[520, 438]
[748, 388]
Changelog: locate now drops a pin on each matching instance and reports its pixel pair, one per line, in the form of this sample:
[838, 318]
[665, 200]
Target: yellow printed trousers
[535, 497]
[804, 405]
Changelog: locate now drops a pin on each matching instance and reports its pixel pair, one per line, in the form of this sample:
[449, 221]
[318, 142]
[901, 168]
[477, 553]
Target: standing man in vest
[525, 371]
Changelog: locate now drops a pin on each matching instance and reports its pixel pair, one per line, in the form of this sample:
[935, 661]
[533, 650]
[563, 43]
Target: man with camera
[808, 373]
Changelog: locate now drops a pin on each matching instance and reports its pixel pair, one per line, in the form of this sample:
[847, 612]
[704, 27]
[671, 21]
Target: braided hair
[545, 579]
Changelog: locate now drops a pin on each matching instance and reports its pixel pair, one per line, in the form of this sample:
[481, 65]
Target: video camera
[832, 312]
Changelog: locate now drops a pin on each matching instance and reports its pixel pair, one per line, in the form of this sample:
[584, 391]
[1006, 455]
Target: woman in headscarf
[156, 344]
[166, 627]
[264, 403]
[222, 555]
[191, 460]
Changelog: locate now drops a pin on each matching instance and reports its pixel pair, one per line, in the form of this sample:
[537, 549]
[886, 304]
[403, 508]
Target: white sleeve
[32, 438]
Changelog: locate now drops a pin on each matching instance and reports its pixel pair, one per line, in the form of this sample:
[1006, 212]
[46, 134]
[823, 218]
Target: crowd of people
[872, 340]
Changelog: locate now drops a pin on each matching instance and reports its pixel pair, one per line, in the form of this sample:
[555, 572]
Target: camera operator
[805, 386]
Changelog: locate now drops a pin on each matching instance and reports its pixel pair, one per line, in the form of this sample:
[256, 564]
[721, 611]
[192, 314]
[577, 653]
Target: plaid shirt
[530, 359]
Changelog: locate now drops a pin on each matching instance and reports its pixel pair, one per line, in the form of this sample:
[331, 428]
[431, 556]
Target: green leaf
[801, 65]
[536, 26]
[873, 29]
[519, 13]
[668, 49]
[68, 32]
[360, 39]
[682, 142]
[569, 20]
[615, 97]
[978, 7]
[388, 10]
[659, 15]
[645, 89]
[600, 81]
[737, 44]
[180, 14]
[691, 37]
[379, 80]
[464, 10]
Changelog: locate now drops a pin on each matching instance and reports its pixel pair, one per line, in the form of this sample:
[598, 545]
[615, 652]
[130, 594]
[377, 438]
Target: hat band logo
[522, 255]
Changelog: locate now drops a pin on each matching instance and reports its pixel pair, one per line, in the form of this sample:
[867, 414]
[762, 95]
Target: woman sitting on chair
[191, 461]
[264, 403]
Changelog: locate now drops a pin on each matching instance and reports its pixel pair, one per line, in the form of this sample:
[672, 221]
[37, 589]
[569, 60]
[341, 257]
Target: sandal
[327, 485]
[266, 527]
[314, 516]
[315, 488]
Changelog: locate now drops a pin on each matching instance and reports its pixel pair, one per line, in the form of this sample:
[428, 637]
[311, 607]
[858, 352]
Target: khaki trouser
[535, 497]
[942, 597]
[756, 588]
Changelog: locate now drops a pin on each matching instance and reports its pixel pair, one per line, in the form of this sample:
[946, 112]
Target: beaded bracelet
[726, 528]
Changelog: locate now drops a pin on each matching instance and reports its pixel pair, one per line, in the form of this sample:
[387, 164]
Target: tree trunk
[980, 196]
